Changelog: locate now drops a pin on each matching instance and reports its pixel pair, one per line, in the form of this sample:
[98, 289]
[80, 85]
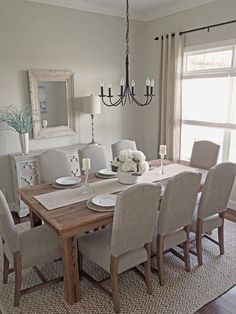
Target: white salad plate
[68, 180]
[104, 200]
[107, 172]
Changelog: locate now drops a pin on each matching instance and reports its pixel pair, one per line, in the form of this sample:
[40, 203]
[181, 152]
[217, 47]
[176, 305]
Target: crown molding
[182, 6]
[155, 14]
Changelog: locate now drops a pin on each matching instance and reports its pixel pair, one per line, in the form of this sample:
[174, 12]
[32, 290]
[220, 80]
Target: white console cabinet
[25, 173]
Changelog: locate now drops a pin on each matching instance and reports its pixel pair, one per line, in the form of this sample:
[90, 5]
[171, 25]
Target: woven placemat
[102, 176]
[96, 208]
[60, 186]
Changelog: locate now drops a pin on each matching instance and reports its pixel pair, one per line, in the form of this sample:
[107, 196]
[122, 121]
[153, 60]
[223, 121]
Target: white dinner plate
[68, 180]
[107, 172]
[105, 200]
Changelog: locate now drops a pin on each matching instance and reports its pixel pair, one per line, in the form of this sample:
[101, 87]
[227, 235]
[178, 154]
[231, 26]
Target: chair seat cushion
[96, 246]
[171, 239]
[209, 223]
[37, 245]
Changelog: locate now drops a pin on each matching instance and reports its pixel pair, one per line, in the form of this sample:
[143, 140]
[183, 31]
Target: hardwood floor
[225, 304]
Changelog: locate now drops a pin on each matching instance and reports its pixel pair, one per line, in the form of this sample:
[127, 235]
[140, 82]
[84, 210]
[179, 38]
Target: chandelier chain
[127, 27]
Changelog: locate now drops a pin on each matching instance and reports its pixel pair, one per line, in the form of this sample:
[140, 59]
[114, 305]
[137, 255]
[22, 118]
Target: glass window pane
[205, 99]
[232, 151]
[192, 133]
[209, 60]
[233, 102]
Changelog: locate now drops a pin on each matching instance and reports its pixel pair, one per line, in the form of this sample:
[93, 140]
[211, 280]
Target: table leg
[34, 219]
[71, 270]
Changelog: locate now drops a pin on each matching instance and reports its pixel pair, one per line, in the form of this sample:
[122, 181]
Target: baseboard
[232, 205]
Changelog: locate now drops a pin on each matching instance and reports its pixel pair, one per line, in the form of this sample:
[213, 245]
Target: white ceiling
[143, 10]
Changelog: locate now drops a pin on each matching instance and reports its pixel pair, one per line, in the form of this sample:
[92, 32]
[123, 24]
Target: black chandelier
[127, 90]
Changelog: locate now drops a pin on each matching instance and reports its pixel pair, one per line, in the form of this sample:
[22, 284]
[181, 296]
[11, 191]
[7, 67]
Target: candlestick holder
[161, 171]
[86, 188]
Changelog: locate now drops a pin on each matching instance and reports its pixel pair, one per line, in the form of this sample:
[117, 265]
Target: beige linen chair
[26, 249]
[175, 217]
[97, 155]
[204, 154]
[121, 145]
[128, 243]
[53, 164]
[209, 213]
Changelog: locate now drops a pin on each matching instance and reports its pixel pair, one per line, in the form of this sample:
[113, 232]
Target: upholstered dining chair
[97, 155]
[26, 249]
[175, 218]
[210, 211]
[204, 154]
[128, 242]
[53, 164]
[121, 145]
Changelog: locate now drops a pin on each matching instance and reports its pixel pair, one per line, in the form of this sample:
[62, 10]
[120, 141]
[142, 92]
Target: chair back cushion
[204, 154]
[178, 203]
[8, 229]
[121, 145]
[216, 190]
[53, 164]
[135, 218]
[97, 155]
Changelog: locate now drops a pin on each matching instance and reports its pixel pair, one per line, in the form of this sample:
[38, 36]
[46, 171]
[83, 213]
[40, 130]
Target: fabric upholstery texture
[208, 223]
[216, 190]
[97, 155]
[96, 247]
[171, 239]
[8, 229]
[134, 221]
[121, 145]
[178, 203]
[37, 245]
[53, 164]
[204, 154]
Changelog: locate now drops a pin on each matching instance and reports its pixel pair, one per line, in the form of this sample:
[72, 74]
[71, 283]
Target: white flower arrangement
[131, 161]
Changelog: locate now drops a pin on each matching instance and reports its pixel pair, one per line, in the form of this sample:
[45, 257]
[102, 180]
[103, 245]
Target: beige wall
[38, 36]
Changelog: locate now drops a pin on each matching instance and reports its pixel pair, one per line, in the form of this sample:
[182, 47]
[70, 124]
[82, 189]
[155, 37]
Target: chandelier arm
[111, 104]
[127, 93]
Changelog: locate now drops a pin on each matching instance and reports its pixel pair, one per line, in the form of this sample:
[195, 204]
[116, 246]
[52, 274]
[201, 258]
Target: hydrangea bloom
[131, 161]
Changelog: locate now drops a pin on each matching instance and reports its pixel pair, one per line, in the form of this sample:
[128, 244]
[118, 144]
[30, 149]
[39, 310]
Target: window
[209, 100]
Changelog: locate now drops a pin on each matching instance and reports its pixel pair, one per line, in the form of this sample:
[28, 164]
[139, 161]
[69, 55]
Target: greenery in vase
[20, 121]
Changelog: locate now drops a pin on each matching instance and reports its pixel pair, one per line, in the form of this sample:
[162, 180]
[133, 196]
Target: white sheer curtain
[170, 94]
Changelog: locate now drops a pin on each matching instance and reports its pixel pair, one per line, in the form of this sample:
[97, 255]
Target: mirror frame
[35, 76]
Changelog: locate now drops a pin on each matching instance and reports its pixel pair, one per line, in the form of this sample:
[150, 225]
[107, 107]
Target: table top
[72, 219]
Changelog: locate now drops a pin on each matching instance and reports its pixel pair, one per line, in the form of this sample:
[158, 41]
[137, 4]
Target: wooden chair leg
[5, 268]
[199, 241]
[18, 275]
[186, 249]
[114, 283]
[81, 261]
[160, 245]
[147, 268]
[221, 235]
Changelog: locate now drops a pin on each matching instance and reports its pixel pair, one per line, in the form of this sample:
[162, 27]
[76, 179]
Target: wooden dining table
[68, 222]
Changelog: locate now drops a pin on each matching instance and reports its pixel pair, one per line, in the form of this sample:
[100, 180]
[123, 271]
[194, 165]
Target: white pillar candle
[162, 150]
[86, 164]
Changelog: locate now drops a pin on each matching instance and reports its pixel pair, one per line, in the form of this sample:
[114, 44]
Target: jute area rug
[182, 293]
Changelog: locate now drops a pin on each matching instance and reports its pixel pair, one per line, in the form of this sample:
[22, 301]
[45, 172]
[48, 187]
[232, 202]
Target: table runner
[66, 197]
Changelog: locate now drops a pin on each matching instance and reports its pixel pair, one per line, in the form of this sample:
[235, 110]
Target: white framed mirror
[53, 102]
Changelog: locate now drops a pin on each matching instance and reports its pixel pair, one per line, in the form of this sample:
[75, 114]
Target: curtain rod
[200, 28]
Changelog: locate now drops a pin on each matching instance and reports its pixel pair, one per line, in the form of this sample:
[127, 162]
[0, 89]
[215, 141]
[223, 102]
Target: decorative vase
[128, 177]
[24, 143]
